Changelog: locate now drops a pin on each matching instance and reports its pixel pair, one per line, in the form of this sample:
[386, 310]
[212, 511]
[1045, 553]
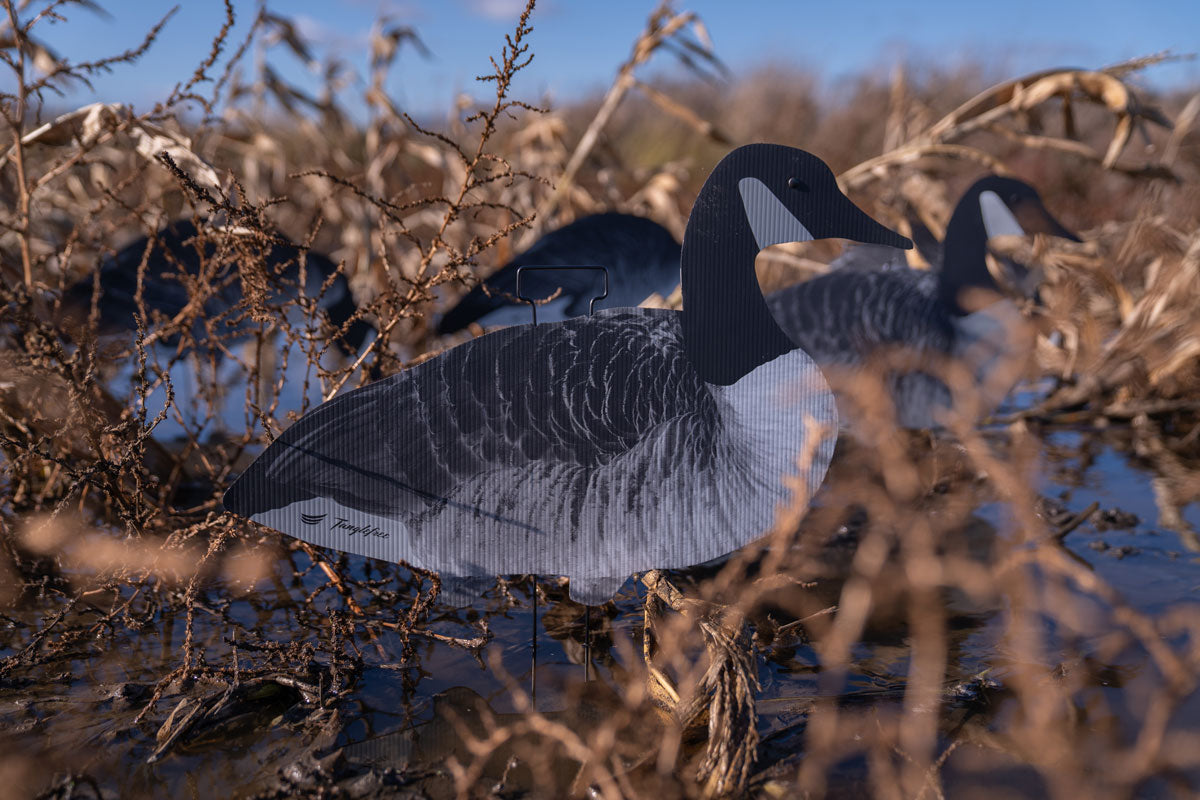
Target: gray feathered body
[845, 317]
[587, 448]
[874, 258]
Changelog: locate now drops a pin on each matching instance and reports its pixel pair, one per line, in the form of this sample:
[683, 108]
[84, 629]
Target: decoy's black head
[789, 195]
[1009, 207]
[992, 206]
[757, 196]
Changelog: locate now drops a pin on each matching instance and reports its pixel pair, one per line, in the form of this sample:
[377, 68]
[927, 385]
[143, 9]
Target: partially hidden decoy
[593, 447]
[871, 302]
[178, 251]
[641, 256]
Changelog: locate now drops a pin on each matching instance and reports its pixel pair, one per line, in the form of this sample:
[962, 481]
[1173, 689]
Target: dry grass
[108, 534]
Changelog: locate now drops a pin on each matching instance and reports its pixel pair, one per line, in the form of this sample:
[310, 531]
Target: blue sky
[579, 43]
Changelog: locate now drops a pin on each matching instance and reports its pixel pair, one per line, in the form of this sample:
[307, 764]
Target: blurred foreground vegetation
[145, 635]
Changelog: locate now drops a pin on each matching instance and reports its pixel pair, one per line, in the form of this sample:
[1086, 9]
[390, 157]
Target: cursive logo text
[344, 524]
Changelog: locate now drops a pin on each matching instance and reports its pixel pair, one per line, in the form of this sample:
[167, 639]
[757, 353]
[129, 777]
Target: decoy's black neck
[728, 331]
[964, 255]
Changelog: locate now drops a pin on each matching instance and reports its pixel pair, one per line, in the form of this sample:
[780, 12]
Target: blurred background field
[996, 610]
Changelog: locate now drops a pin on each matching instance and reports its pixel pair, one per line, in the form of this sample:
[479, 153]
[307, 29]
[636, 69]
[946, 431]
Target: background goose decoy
[642, 257]
[873, 302]
[870, 257]
[593, 447]
[180, 250]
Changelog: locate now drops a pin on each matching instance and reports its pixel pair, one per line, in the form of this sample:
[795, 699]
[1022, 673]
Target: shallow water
[76, 713]
[210, 391]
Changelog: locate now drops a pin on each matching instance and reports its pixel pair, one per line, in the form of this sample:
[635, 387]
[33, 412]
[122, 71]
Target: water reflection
[460, 719]
[211, 391]
[414, 715]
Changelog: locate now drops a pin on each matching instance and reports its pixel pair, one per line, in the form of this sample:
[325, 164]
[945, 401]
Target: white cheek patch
[998, 220]
[770, 220]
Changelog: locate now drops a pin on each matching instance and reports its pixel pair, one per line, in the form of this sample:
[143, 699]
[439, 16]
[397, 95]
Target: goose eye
[796, 183]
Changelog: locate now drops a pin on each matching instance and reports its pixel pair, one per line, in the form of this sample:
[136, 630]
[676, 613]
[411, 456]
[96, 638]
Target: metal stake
[533, 668]
[587, 618]
[587, 643]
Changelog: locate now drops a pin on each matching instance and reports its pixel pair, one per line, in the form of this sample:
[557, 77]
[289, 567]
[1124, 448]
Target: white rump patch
[994, 343]
[769, 218]
[768, 413]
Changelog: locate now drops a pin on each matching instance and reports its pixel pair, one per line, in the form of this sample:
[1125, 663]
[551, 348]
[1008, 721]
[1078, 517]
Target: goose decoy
[593, 447]
[642, 258]
[178, 252]
[873, 302]
[871, 257]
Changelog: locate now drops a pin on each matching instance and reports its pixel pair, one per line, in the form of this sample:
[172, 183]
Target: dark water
[77, 713]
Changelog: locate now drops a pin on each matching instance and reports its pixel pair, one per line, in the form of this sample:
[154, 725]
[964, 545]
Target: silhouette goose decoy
[641, 256]
[873, 302]
[179, 250]
[594, 447]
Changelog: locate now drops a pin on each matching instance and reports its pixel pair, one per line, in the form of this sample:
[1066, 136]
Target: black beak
[844, 220]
